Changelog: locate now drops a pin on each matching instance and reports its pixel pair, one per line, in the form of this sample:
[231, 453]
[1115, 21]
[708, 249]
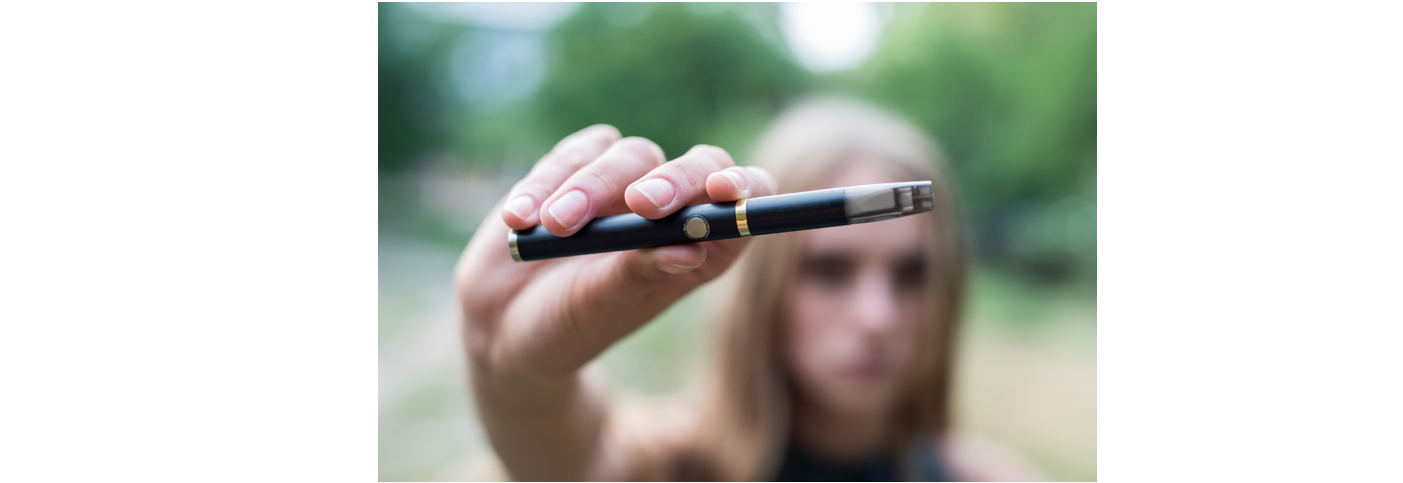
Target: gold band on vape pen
[741, 223]
[511, 242]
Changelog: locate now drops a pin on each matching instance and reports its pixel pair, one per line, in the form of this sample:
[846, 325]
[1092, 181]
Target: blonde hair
[743, 424]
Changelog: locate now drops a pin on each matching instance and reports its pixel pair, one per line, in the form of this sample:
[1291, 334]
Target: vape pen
[718, 221]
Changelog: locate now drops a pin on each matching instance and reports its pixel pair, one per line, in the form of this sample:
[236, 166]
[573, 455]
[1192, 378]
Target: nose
[874, 302]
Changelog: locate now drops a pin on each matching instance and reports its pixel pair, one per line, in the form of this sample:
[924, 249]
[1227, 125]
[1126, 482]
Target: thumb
[578, 310]
[608, 294]
[639, 271]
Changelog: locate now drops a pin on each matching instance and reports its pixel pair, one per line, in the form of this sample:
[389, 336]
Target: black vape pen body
[719, 221]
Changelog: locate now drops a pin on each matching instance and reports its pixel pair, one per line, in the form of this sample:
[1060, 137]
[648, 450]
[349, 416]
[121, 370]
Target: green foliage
[412, 106]
[667, 74]
[1007, 90]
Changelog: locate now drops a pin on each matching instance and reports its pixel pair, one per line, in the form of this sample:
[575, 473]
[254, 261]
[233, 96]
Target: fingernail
[673, 268]
[736, 180]
[521, 206]
[569, 209]
[657, 190]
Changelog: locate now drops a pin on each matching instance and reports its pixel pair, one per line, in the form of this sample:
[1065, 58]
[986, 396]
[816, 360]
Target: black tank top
[800, 465]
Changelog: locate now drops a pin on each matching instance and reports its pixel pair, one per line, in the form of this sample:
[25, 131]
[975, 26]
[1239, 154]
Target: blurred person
[835, 346]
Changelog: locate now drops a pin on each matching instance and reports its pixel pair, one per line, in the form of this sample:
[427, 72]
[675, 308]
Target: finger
[522, 209]
[734, 183]
[486, 275]
[598, 185]
[639, 270]
[677, 184]
[740, 182]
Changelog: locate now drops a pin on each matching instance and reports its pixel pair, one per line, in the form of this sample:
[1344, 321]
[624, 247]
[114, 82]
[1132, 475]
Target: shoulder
[970, 457]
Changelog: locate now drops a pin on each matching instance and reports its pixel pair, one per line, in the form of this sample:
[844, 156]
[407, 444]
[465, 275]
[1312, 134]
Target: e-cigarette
[719, 221]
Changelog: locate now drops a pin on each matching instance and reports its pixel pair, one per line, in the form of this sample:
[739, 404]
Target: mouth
[868, 366]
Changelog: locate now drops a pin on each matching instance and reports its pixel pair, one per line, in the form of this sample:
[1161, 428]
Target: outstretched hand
[541, 321]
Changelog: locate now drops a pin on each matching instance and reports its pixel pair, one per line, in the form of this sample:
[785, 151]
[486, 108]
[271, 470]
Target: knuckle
[536, 193]
[550, 171]
[714, 153]
[571, 159]
[596, 133]
[682, 176]
[532, 187]
[642, 148]
[602, 176]
[608, 131]
[544, 163]
[602, 136]
[549, 162]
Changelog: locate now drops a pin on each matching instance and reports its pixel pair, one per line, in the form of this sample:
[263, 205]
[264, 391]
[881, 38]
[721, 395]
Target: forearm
[541, 429]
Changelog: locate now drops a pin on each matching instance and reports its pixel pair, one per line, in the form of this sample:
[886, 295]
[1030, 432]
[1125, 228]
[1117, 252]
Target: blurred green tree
[413, 108]
[1009, 90]
[667, 73]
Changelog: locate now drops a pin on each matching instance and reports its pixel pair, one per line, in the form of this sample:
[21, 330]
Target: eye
[829, 270]
[909, 273]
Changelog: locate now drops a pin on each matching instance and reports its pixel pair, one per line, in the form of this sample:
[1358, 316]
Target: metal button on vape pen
[719, 221]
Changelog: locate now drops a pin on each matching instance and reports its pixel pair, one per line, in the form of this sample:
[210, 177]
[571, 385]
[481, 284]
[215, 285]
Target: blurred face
[851, 325]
